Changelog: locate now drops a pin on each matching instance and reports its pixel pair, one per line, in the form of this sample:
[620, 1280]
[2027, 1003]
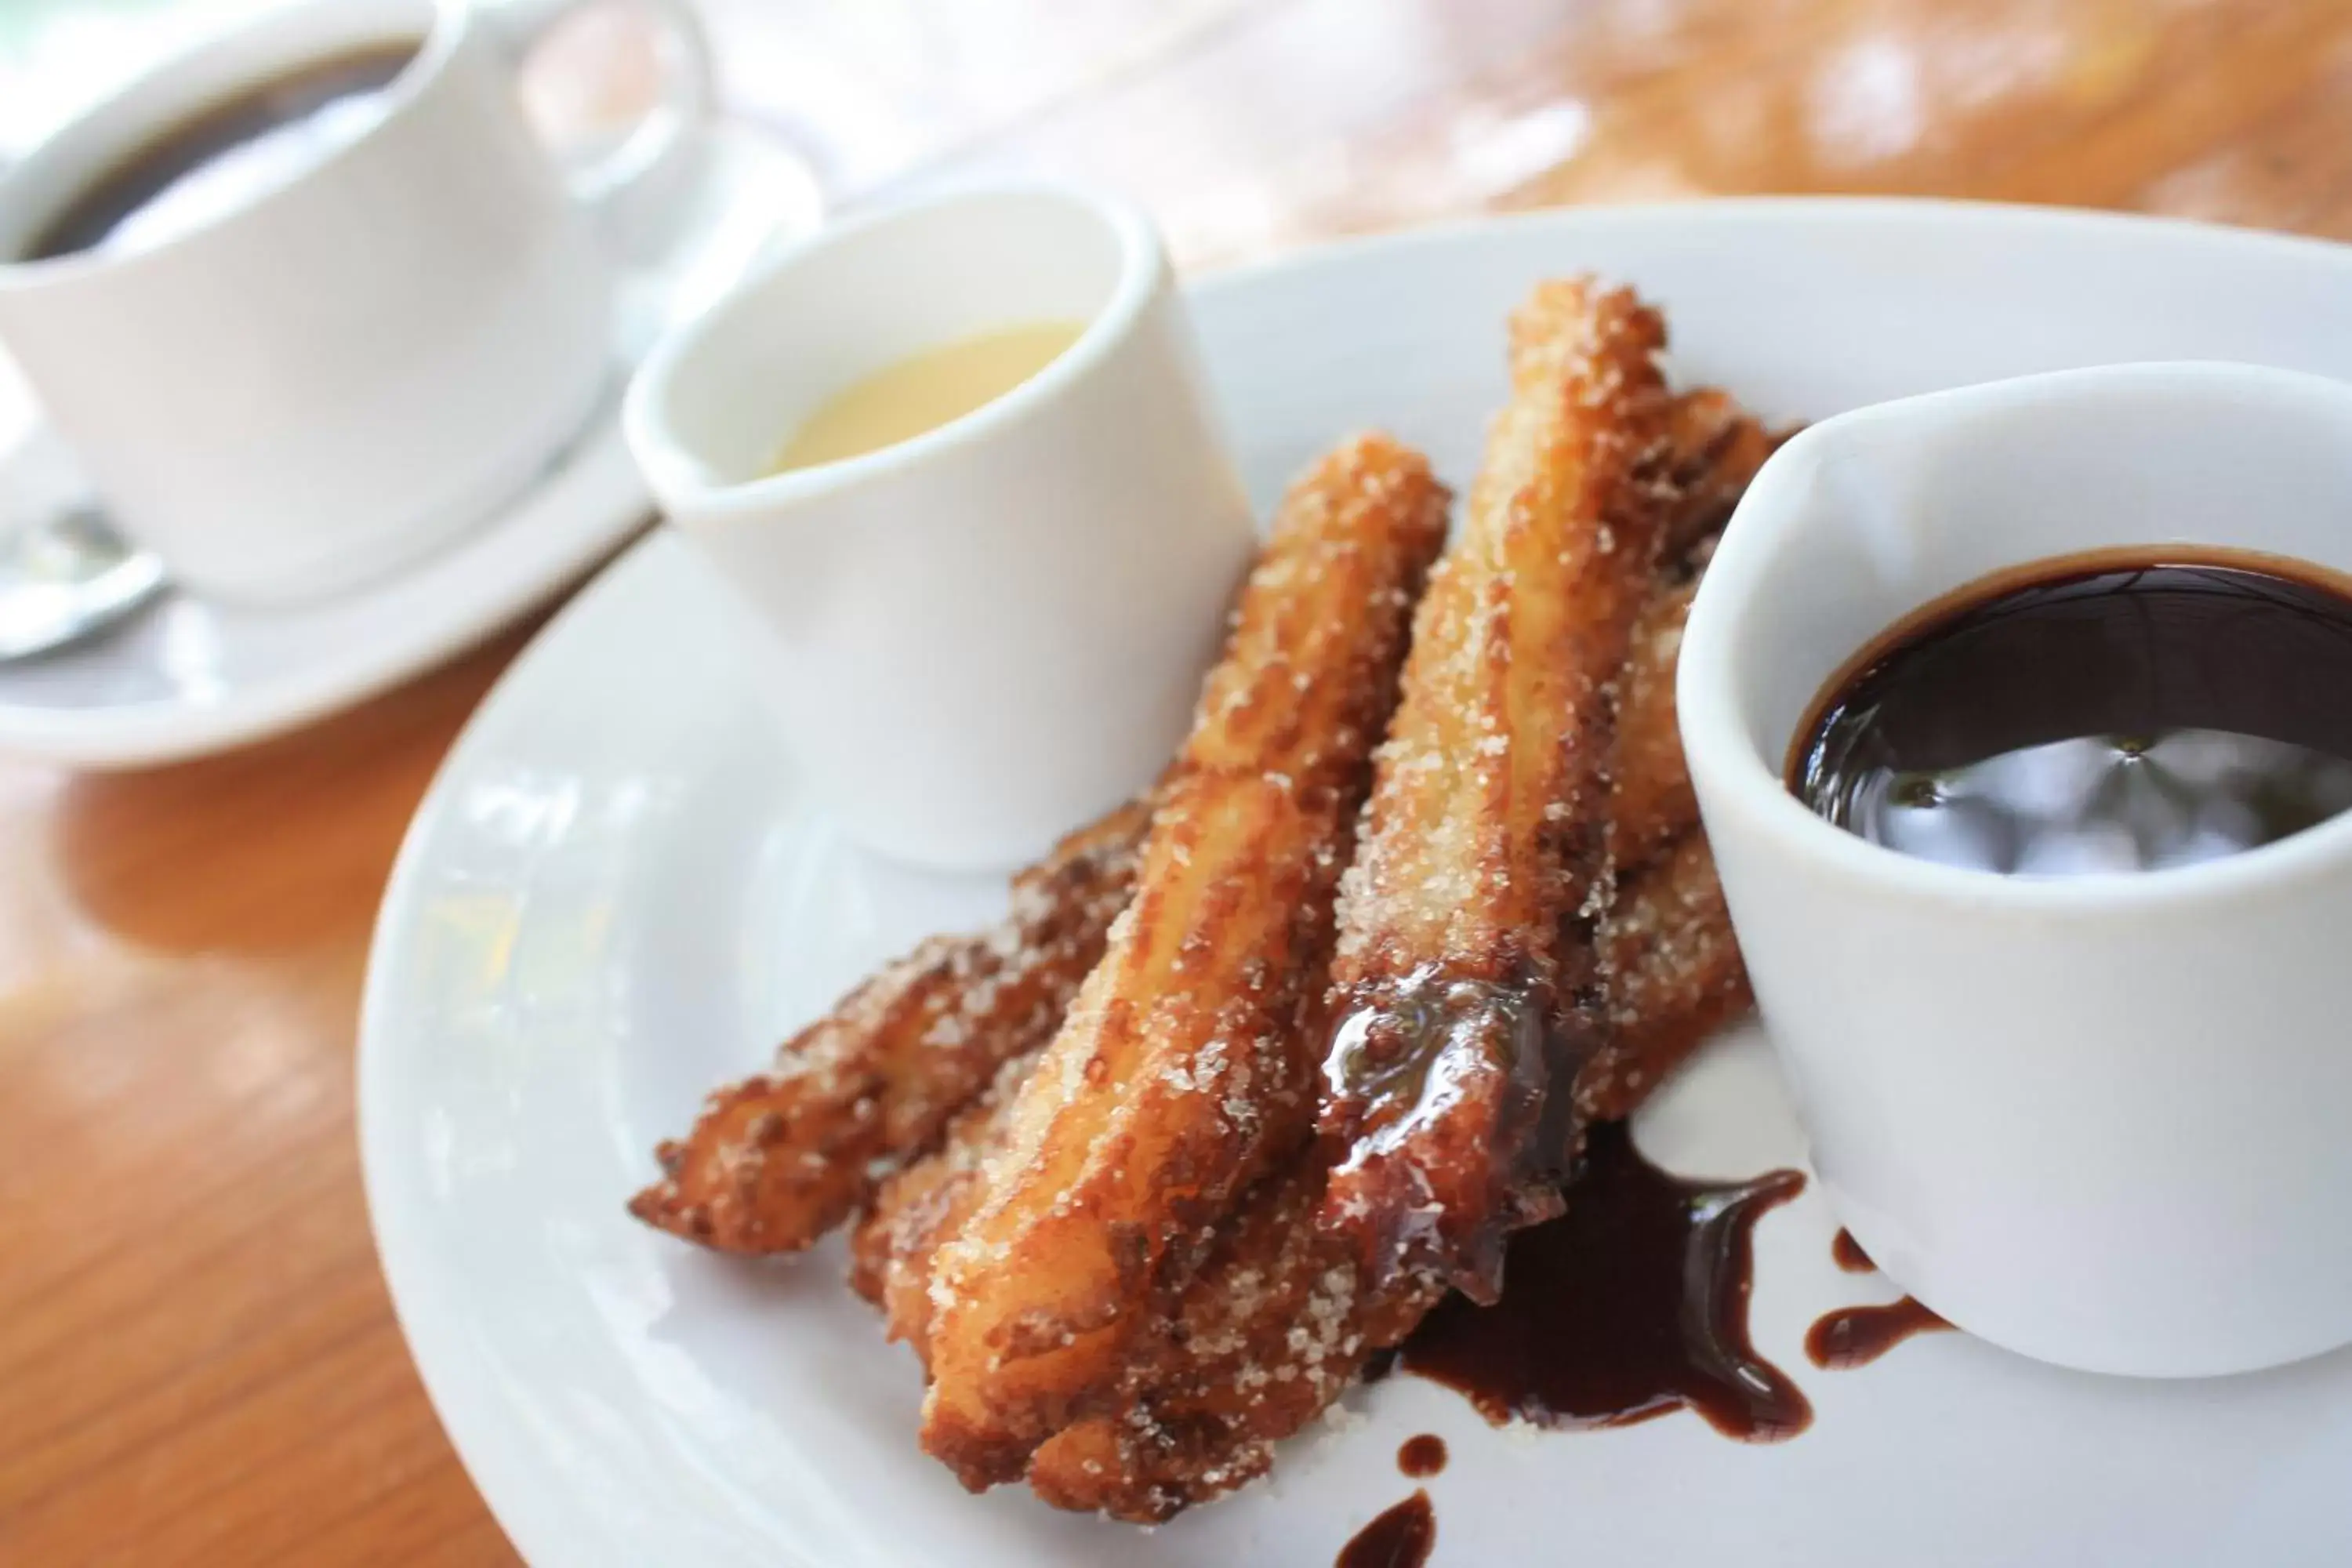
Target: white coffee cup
[343, 373]
[981, 637]
[2100, 1121]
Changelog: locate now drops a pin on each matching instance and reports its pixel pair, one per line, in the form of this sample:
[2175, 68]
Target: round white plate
[188, 675]
[616, 897]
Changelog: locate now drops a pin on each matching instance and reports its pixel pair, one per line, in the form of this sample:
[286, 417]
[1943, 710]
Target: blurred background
[1252, 124]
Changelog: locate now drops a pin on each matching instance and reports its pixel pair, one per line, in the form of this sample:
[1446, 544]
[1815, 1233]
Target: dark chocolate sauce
[1850, 1255]
[1423, 1457]
[1400, 1538]
[1384, 1047]
[1632, 1304]
[2123, 710]
[1396, 1058]
[1856, 1336]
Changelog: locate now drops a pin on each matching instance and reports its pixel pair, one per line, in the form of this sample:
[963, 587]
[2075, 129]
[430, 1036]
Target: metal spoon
[66, 575]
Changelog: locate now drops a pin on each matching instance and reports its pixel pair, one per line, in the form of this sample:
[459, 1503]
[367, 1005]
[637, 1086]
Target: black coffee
[223, 157]
[2098, 713]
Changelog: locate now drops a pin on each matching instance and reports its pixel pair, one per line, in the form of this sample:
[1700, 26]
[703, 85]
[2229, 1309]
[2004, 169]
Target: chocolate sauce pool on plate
[1632, 1304]
[1423, 1457]
[1849, 1256]
[1856, 1336]
[1400, 1537]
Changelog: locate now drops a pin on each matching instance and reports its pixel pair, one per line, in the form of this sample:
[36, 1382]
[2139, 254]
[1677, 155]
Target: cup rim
[680, 478]
[448, 21]
[1738, 780]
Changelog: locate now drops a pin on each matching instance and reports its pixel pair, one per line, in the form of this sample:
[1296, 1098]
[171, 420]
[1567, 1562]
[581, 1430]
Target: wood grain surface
[197, 1359]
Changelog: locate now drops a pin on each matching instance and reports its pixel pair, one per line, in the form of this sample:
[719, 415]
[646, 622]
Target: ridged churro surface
[1180, 1071]
[1486, 835]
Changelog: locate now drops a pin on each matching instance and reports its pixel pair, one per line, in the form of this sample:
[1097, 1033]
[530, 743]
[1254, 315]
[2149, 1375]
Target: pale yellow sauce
[924, 392]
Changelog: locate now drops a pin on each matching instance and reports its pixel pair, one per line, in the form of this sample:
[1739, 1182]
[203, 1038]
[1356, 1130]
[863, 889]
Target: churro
[1672, 974]
[1485, 833]
[1180, 1071]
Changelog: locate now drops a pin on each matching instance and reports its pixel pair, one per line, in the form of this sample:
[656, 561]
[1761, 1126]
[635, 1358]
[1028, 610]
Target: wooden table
[197, 1361]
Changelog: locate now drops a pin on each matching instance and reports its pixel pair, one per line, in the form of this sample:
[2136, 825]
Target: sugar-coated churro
[1484, 830]
[1179, 1072]
[1671, 974]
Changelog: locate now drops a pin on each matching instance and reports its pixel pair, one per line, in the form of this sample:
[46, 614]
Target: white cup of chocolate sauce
[2101, 1119]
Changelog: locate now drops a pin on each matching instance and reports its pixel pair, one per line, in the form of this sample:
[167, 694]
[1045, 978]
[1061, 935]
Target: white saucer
[618, 896]
[188, 676]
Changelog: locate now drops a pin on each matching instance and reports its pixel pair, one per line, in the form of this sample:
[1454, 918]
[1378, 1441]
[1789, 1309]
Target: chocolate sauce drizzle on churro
[1393, 1052]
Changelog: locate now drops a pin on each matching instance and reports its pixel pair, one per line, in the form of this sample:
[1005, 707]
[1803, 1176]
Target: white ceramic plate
[189, 676]
[615, 897]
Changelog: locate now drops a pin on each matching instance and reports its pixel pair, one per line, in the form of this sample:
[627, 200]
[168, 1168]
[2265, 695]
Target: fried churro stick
[778, 1159]
[1670, 966]
[1484, 833]
[1276, 1325]
[1267, 1336]
[1673, 974]
[1178, 1072]
[1719, 446]
[1651, 801]
[920, 1206]
[1274, 1328]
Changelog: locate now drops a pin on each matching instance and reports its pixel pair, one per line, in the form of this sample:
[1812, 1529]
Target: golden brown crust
[1717, 449]
[1719, 446]
[906, 1205]
[1222, 1382]
[776, 1161]
[1178, 1072]
[1651, 801]
[1482, 836]
[1673, 976]
[1274, 1328]
[917, 1208]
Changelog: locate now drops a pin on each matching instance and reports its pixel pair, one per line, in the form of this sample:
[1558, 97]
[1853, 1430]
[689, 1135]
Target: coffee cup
[308, 301]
